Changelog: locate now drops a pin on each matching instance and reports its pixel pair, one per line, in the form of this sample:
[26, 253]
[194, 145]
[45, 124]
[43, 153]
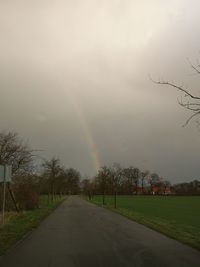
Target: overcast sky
[74, 81]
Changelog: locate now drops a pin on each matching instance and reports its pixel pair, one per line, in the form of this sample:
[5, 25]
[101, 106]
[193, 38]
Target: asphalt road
[81, 234]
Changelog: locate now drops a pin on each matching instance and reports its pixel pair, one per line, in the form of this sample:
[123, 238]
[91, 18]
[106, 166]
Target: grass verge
[18, 225]
[176, 217]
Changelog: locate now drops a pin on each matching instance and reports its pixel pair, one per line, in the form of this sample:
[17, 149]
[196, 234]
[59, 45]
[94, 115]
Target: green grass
[18, 225]
[177, 217]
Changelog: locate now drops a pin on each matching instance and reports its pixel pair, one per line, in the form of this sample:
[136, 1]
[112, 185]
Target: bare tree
[133, 175]
[73, 180]
[102, 180]
[153, 179]
[166, 185]
[116, 175]
[14, 151]
[129, 180]
[143, 176]
[52, 171]
[88, 187]
[188, 100]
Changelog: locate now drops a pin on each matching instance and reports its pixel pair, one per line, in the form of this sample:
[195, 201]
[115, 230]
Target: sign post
[4, 195]
[5, 176]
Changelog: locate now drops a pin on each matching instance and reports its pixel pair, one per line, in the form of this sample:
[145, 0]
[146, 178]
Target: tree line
[53, 179]
[28, 183]
[116, 180]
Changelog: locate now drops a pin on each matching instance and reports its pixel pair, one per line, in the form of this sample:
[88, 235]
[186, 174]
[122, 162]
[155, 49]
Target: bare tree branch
[191, 117]
[196, 68]
[180, 88]
[191, 106]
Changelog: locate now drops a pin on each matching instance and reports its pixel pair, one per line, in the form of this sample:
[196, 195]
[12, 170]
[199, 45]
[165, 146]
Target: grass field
[18, 225]
[177, 217]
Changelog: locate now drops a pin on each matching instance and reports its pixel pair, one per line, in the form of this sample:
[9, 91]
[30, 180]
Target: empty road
[81, 234]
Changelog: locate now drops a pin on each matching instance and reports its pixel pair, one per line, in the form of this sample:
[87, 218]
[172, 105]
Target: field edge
[170, 231]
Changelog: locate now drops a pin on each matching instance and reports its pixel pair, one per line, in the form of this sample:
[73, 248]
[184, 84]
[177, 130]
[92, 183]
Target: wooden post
[13, 197]
[4, 195]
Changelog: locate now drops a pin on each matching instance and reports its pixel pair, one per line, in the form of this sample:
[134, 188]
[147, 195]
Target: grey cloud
[97, 55]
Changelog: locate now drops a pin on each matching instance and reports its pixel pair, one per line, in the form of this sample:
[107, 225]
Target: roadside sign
[5, 173]
[8, 173]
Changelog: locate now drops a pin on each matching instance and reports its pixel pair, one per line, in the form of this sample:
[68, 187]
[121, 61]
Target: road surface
[81, 234]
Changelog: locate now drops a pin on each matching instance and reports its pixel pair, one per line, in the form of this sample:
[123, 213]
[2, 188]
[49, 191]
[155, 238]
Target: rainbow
[92, 147]
[93, 150]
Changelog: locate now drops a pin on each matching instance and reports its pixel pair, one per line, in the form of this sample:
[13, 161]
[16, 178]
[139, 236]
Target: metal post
[4, 195]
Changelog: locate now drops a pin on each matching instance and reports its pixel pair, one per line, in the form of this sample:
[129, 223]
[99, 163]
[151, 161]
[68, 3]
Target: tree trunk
[142, 186]
[52, 192]
[115, 199]
[103, 198]
[136, 187]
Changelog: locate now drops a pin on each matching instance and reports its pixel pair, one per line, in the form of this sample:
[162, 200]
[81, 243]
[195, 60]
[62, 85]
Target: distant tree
[85, 186]
[88, 187]
[129, 182]
[102, 179]
[60, 182]
[144, 175]
[136, 175]
[166, 185]
[133, 175]
[116, 176]
[189, 188]
[73, 180]
[153, 179]
[52, 171]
